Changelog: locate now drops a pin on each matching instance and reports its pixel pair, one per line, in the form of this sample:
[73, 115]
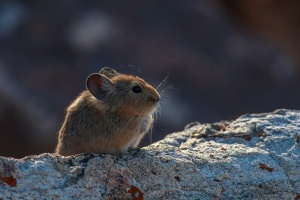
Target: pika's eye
[137, 89]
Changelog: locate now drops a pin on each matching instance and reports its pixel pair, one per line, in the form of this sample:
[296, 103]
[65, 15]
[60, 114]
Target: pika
[111, 116]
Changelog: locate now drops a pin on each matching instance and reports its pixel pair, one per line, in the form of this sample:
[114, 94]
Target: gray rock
[256, 156]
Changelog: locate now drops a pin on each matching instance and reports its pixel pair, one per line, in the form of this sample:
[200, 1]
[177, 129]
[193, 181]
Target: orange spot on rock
[265, 167]
[10, 180]
[136, 193]
[223, 149]
[259, 134]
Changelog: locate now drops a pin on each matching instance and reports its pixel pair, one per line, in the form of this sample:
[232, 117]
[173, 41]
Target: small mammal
[110, 117]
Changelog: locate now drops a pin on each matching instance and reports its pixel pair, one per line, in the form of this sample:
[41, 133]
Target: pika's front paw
[133, 149]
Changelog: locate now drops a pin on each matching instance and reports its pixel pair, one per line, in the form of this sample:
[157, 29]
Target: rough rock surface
[256, 156]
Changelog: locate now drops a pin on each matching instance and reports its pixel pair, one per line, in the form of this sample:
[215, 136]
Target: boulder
[256, 156]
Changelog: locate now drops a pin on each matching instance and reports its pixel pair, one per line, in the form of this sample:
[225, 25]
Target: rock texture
[256, 156]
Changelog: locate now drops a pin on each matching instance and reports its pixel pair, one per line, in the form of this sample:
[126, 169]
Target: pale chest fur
[128, 128]
[122, 134]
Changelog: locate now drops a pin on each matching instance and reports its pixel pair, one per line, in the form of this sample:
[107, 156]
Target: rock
[256, 156]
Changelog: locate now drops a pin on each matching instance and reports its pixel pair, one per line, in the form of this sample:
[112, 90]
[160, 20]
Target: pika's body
[110, 117]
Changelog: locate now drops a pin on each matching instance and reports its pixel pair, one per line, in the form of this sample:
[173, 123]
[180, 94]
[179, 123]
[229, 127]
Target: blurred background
[223, 58]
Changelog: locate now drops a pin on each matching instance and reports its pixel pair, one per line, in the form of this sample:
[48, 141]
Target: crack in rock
[108, 178]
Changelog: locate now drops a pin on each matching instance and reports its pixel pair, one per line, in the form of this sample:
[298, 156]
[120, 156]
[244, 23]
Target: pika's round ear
[108, 72]
[98, 85]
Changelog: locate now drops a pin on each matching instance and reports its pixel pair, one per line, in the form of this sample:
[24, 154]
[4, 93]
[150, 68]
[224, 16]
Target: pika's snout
[154, 98]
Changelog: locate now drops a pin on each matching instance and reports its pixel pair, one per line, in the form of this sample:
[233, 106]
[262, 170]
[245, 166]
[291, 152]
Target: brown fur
[110, 125]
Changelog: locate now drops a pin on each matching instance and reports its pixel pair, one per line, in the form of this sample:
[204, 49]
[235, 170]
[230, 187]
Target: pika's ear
[108, 72]
[98, 85]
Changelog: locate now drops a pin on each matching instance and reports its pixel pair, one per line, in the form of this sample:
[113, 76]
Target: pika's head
[123, 93]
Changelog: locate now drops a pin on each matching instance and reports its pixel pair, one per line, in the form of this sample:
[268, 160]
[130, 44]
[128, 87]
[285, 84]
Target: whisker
[157, 111]
[127, 121]
[130, 119]
[163, 82]
[165, 98]
[150, 134]
[172, 87]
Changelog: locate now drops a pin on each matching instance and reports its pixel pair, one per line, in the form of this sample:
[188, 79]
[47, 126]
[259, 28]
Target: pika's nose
[153, 99]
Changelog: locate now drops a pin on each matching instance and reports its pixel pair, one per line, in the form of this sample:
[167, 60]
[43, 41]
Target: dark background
[224, 58]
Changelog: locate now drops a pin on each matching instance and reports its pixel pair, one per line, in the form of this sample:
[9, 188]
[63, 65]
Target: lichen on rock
[256, 156]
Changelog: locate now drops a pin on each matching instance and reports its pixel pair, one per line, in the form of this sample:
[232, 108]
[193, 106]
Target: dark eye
[137, 89]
